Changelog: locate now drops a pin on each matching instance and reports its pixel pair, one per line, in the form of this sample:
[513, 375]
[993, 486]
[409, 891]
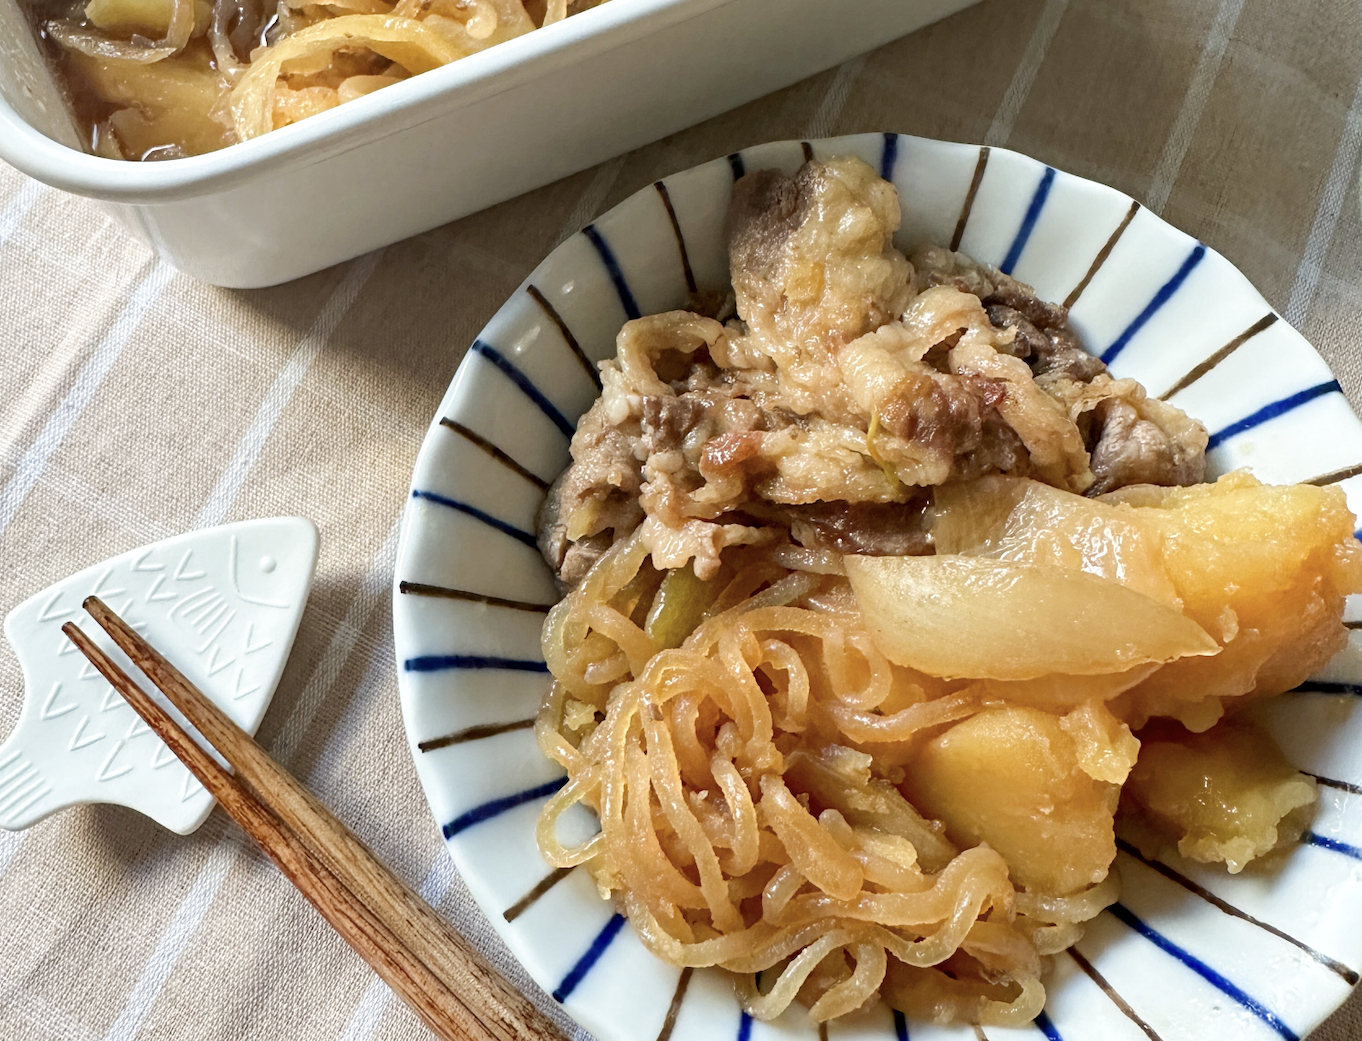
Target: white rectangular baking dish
[446, 143]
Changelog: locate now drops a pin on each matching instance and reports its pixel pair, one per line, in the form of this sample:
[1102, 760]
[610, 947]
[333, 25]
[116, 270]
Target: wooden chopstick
[426, 963]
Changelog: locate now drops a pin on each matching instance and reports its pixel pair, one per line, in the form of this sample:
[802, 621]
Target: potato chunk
[1226, 795]
[160, 104]
[1263, 569]
[1012, 777]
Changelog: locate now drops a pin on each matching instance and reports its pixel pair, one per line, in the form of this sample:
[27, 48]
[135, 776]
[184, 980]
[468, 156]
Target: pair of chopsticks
[427, 964]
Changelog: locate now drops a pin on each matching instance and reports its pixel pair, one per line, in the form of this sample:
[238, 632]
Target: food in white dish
[161, 79]
[887, 606]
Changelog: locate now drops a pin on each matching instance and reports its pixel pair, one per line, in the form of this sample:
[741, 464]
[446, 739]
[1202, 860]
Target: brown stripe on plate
[1219, 356]
[808, 151]
[1110, 992]
[969, 198]
[1329, 782]
[1335, 476]
[1352, 625]
[1102, 255]
[495, 452]
[541, 887]
[678, 995]
[680, 239]
[1336, 967]
[572, 343]
[822, 1032]
[474, 734]
[979, 1034]
[445, 592]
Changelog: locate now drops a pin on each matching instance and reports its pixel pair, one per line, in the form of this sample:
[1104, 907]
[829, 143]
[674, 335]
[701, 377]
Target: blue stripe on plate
[736, 164]
[1326, 687]
[1162, 297]
[745, 1028]
[900, 1026]
[588, 960]
[1324, 842]
[1028, 223]
[525, 384]
[447, 662]
[889, 157]
[496, 807]
[612, 265]
[1046, 1027]
[1277, 408]
[1219, 982]
[477, 514]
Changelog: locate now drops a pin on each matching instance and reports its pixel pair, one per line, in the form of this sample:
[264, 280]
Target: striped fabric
[135, 403]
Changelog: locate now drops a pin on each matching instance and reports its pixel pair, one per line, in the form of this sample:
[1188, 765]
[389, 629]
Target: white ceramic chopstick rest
[223, 605]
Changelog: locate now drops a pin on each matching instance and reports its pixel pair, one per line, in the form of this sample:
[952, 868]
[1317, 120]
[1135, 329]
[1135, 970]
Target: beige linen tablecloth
[136, 403]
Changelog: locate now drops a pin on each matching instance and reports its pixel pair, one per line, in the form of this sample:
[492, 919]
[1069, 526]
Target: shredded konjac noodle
[887, 607]
[158, 79]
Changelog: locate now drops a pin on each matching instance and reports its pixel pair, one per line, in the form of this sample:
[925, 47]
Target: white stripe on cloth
[281, 391]
[173, 941]
[189, 915]
[87, 382]
[1337, 190]
[589, 204]
[10, 841]
[835, 99]
[17, 208]
[1193, 104]
[1025, 75]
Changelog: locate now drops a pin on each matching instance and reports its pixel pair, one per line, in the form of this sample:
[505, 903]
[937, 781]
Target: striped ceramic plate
[1189, 952]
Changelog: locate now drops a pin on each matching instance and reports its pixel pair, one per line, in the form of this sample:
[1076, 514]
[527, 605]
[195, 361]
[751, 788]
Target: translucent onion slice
[1013, 518]
[97, 45]
[956, 617]
[414, 46]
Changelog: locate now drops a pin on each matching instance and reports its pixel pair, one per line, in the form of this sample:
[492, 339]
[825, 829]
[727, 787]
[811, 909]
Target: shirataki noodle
[688, 754]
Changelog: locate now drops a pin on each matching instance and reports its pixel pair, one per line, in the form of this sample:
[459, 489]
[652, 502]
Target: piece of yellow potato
[1106, 748]
[953, 616]
[1264, 569]
[162, 103]
[1012, 777]
[1226, 795]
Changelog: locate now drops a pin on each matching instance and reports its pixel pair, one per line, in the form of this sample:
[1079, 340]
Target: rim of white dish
[373, 117]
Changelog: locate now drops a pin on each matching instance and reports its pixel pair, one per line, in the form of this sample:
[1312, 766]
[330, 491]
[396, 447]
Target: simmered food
[160, 79]
[886, 605]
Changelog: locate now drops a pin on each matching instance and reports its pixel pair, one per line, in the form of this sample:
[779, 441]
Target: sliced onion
[411, 44]
[219, 38]
[955, 617]
[97, 45]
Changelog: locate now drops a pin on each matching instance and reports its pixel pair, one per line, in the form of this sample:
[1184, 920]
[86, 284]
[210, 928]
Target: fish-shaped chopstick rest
[222, 604]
